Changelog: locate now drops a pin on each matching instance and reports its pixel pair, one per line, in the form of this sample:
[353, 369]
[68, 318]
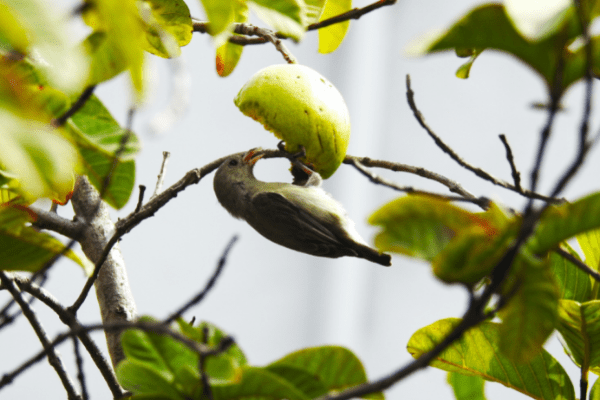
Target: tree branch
[355, 13]
[53, 358]
[477, 171]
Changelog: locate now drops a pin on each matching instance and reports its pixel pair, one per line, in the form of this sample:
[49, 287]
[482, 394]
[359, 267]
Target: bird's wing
[285, 223]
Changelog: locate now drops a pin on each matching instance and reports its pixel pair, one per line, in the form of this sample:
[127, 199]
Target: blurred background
[270, 299]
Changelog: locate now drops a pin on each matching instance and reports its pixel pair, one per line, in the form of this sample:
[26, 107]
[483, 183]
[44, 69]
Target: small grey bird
[302, 218]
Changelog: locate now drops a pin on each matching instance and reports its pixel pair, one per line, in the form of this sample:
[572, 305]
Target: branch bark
[112, 285]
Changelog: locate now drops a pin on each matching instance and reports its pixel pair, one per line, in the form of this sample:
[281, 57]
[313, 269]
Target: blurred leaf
[124, 39]
[170, 22]
[472, 255]
[331, 36]
[579, 325]
[473, 32]
[228, 54]
[464, 70]
[531, 313]
[41, 159]
[534, 22]
[336, 367]
[573, 283]
[99, 138]
[559, 223]
[13, 35]
[106, 61]
[314, 9]
[595, 392]
[590, 245]
[39, 26]
[306, 382]
[220, 15]
[466, 387]
[477, 353]
[284, 16]
[23, 248]
[422, 226]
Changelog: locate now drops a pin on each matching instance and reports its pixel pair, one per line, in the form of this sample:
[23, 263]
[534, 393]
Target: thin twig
[355, 13]
[578, 263]
[140, 202]
[209, 285]
[161, 175]
[584, 144]
[156, 327]
[53, 358]
[477, 171]
[87, 93]
[481, 202]
[71, 321]
[80, 372]
[266, 35]
[511, 161]
[207, 391]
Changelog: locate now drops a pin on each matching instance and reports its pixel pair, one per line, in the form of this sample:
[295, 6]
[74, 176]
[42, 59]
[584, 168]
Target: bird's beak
[252, 156]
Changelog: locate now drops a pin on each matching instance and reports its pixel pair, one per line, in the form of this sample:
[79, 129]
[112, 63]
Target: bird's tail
[373, 255]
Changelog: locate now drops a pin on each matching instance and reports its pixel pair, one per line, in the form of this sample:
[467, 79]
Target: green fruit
[302, 108]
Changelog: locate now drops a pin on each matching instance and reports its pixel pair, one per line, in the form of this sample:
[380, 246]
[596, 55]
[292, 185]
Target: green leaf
[331, 36]
[224, 367]
[168, 28]
[40, 158]
[464, 70]
[255, 384]
[530, 316]
[140, 378]
[422, 226]
[284, 16]
[23, 248]
[314, 9]
[336, 367]
[473, 32]
[13, 35]
[590, 245]
[579, 325]
[306, 382]
[162, 353]
[220, 15]
[106, 61]
[595, 392]
[477, 353]
[125, 36]
[573, 283]
[99, 137]
[472, 255]
[466, 387]
[228, 54]
[559, 223]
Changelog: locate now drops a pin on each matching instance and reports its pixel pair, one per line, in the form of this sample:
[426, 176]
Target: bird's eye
[233, 163]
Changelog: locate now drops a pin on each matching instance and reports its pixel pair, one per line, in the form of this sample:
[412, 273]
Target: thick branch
[112, 287]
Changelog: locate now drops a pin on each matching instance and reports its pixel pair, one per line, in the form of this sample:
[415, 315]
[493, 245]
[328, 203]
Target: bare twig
[584, 144]
[251, 30]
[511, 161]
[56, 223]
[481, 202]
[578, 263]
[140, 202]
[71, 321]
[161, 175]
[156, 327]
[87, 93]
[209, 284]
[477, 171]
[201, 367]
[53, 358]
[355, 13]
[80, 372]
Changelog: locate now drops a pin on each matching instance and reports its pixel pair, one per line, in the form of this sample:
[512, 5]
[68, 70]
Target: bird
[304, 217]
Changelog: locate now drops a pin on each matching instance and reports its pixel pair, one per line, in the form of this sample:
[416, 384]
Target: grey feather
[302, 218]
